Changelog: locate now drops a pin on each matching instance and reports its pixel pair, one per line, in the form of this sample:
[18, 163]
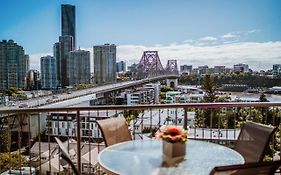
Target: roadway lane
[87, 94]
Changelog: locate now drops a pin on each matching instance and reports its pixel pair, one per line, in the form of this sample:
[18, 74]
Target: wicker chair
[253, 141]
[114, 130]
[257, 168]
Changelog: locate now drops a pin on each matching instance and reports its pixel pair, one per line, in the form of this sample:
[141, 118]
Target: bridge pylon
[150, 65]
[172, 67]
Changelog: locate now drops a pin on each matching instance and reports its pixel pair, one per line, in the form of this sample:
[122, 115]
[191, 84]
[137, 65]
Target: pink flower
[159, 135]
[172, 134]
[173, 131]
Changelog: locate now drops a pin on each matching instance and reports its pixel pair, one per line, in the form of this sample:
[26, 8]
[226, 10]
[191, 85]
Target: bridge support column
[173, 83]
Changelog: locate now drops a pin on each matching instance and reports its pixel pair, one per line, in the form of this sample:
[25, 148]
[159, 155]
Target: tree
[11, 91]
[184, 78]
[13, 161]
[210, 89]
[130, 115]
[263, 98]
[166, 89]
[4, 137]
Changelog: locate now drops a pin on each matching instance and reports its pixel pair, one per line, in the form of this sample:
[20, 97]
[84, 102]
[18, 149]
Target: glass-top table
[141, 157]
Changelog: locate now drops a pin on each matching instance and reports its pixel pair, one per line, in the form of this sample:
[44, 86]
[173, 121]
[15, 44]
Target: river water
[253, 97]
[234, 95]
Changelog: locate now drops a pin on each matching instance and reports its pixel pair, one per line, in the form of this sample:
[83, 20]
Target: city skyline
[213, 33]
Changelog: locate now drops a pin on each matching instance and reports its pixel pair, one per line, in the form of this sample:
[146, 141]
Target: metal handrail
[146, 106]
[14, 112]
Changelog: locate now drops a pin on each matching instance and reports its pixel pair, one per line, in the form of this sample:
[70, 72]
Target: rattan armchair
[253, 141]
[257, 168]
[114, 130]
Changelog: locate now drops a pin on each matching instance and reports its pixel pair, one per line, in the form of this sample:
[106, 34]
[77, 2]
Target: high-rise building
[48, 72]
[276, 71]
[121, 66]
[56, 52]
[68, 21]
[61, 54]
[13, 65]
[241, 67]
[186, 69]
[32, 81]
[105, 63]
[203, 69]
[26, 61]
[219, 69]
[78, 67]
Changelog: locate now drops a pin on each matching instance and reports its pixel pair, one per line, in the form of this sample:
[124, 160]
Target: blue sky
[187, 30]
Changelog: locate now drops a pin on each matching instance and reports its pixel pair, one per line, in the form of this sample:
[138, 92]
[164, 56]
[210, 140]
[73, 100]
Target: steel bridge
[151, 66]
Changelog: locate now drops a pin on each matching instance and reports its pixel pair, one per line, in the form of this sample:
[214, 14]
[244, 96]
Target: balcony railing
[27, 135]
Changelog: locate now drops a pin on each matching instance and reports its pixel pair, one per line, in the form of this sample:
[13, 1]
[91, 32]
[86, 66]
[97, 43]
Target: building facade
[105, 64]
[56, 52]
[61, 53]
[65, 124]
[68, 25]
[186, 69]
[276, 71]
[48, 72]
[78, 67]
[32, 80]
[219, 69]
[121, 66]
[241, 67]
[13, 65]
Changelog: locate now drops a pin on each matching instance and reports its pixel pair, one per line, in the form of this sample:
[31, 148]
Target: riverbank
[253, 96]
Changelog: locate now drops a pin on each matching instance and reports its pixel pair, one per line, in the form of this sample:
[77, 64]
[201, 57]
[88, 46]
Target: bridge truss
[172, 67]
[151, 66]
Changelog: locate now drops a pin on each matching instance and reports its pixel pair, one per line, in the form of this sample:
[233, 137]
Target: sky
[195, 32]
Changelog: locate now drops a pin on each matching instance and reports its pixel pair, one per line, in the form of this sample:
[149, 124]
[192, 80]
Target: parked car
[12, 103]
[49, 100]
[23, 105]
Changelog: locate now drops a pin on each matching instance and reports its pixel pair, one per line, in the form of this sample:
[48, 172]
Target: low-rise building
[190, 90]
[138, 97]
[65, 124]
[241, 67]
[172, 96]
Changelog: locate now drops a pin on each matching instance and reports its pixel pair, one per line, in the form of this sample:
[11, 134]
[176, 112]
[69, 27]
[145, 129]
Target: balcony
[27, 135]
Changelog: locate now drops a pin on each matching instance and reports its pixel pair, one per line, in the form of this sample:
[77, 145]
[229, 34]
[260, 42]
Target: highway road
[75, 97]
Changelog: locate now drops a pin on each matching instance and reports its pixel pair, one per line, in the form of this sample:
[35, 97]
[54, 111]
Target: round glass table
[141, 157]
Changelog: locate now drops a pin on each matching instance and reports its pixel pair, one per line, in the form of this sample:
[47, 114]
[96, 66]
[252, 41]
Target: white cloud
[208, 38]
[253, 31]
[229, 36]
[188, 41]
[34, 60]
[257, 55]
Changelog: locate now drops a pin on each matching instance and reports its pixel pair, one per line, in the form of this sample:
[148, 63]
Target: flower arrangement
[173, 134]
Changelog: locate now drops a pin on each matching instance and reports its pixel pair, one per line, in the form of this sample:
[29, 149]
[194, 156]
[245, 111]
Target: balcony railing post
[185, 119]
[20, 122]
[29, 141]
[279, 138]
[78, 142]
[39, 140]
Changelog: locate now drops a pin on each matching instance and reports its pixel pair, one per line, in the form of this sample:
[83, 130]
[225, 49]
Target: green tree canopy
[14, 161]
[263, 98]
[166, 89]
[210, 89]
